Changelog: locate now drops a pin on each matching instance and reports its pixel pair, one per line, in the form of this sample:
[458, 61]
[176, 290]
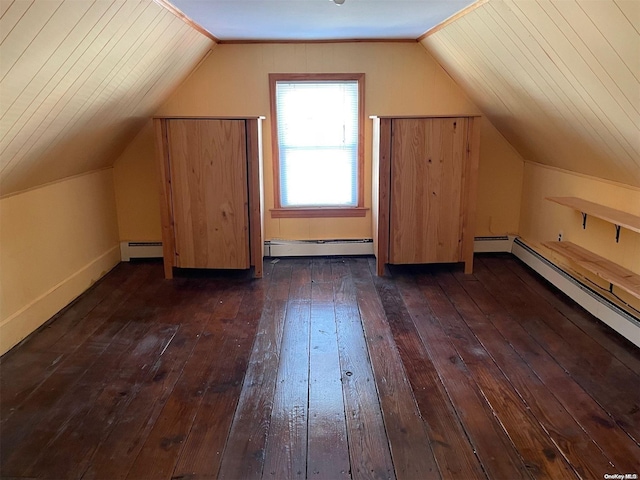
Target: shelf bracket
[584, 220]
[617, 233]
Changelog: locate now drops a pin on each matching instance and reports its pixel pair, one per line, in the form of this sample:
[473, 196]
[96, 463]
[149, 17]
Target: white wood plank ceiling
[559, 79]
[78, 79]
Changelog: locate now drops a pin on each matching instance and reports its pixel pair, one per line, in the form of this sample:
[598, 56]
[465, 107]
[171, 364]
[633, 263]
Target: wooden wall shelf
[611, 215]
[603, 268]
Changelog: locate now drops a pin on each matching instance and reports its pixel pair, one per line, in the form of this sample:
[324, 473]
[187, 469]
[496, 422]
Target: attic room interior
[469, 307]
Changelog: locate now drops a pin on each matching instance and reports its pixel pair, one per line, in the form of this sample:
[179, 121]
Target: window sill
[318, 212]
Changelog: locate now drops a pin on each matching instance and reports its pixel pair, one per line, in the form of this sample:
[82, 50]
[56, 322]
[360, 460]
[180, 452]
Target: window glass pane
[318, 143]
[318, 177]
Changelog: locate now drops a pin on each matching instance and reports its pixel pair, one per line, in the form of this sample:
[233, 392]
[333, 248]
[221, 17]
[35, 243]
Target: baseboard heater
[129, 250]
[591, 300]
[306, 248]
[297, 248]
[502, 243]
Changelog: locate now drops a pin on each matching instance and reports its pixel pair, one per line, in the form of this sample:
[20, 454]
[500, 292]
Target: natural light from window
[317, 125]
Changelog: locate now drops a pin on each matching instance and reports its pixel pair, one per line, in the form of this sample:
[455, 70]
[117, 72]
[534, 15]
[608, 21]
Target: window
[317, 144]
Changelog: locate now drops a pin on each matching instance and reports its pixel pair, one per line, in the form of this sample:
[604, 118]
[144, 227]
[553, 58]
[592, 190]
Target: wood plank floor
[322, 370]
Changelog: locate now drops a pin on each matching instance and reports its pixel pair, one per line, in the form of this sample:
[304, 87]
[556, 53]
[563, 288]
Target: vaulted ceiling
[560, 79]
[78, 79]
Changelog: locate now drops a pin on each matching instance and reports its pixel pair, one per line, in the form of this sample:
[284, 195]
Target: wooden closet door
[427, 164]
[209, 193]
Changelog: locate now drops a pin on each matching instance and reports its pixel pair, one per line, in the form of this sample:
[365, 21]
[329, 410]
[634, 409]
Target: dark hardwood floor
[322, 370]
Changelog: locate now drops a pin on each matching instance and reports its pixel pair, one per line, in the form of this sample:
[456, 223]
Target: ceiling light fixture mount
[338, 2]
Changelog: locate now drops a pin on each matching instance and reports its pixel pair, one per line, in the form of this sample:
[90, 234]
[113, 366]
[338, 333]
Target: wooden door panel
[209, 193]
[426, 189]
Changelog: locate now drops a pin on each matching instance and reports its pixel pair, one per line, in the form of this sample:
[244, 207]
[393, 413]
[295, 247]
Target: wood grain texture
[141, 414]
[495, 451]
[67, 455]
[453, 452]
[382, 190]
[328, 450]
[470, 192]
[603, 268]
[202, 451]
[245, 448]
[582, 454]
[166, 202]
[47, 411]
[209, 193]
[73, 325]
[558, 79]
[615, 344]
[171, 430]
[324, 369]
[375, 184]
[409, 442]
[544, 324]
[286, 447]
[255, 182]
[576, 399]
[81, 77]
[611, 215]
[428, 160]
[369, 451]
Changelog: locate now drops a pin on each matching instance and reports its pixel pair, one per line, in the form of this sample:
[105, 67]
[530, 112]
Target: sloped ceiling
[79, 78]
[559, 79]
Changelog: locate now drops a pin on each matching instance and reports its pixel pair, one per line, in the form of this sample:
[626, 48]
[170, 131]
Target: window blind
[317, 124]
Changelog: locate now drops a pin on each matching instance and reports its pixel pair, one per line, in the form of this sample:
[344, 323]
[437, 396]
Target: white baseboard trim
[599, 306]
[503, 243]
[310, 248]
[129, 250]
[20, 324]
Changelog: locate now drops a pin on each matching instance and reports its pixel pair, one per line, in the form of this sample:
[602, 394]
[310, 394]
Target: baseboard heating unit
[597, 305]
[129, 250]
[502, 243]
[305, 248]
[309, 248]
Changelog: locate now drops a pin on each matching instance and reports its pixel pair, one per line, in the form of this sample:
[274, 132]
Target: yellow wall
[542, 220]
[499, 184]
[136, 182]
[401, 79]
[56, 241]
